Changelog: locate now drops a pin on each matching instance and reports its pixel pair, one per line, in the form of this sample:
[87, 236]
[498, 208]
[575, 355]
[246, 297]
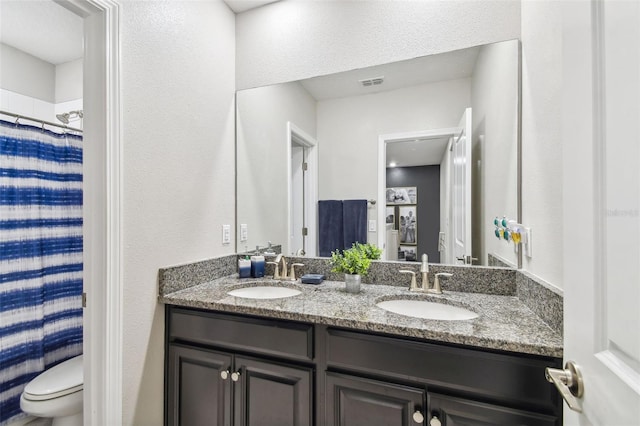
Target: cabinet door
[452, 411]
[196, 392]
[272, 394]
[355, 401]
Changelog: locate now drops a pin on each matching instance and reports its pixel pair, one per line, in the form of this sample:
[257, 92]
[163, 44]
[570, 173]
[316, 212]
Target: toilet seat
[63, 379]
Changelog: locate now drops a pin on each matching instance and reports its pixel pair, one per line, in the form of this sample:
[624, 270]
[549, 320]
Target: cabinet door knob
[435, 421]
[418, 417]
[224, 374]
[235, 376]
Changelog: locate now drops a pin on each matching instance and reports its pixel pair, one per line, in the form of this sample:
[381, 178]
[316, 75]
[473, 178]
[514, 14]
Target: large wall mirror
[430, 144]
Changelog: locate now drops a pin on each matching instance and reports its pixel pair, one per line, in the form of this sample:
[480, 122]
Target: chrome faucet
[414, 285]
[284, 265]
[424, 269]
[292, 272]
[436, 282]
[276, 267]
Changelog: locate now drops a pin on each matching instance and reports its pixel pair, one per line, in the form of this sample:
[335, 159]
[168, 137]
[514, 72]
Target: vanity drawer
[280, 338]
[516, 380]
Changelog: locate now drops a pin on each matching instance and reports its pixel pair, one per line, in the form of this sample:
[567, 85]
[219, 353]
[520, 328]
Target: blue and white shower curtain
[40, 256]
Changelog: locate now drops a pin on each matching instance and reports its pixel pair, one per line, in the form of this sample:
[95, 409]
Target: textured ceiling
[41, 28]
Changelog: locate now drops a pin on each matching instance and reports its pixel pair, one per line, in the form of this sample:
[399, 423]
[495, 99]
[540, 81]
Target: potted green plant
[354, 263]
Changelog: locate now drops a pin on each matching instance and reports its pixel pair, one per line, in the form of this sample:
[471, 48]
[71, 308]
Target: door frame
[103, 281]
[299, 136]
[383, 140]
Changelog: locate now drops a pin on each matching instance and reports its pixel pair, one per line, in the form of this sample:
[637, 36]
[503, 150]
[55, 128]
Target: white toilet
[56, 393]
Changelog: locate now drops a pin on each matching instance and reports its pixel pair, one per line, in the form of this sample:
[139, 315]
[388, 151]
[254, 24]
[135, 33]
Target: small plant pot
[352, 282]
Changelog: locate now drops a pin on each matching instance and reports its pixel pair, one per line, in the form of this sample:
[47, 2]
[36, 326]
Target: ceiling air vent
[372, 81]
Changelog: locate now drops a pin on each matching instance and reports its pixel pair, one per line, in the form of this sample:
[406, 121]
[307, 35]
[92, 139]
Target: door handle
[467, 260]
[569, 383]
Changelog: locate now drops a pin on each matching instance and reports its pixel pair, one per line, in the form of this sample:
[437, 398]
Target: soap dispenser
[257, 266]
[244, 267]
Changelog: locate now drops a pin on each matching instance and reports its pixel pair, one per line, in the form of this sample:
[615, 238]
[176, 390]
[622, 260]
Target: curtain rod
[19, 116]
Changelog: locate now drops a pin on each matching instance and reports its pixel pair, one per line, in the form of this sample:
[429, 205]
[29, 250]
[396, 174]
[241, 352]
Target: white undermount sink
[427, 310]
[264, 292]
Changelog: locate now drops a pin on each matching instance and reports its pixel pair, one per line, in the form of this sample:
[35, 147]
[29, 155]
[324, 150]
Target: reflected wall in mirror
[331, 138]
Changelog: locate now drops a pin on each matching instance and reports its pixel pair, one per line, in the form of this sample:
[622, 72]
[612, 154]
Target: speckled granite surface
[504, 322]
[543, 299]
[493, 260]
[473, 279]
[179, 277]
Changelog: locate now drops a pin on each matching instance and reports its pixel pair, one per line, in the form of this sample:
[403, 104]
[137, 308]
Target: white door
[302, 198]
[601, 207]
[296, 237]
[461, 197]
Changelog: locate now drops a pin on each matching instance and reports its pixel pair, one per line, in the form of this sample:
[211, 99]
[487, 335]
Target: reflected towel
[330, 236]
[354, 219]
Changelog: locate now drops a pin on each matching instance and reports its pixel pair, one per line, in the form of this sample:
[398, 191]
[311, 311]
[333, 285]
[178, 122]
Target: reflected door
[297, 234]
[461, 188]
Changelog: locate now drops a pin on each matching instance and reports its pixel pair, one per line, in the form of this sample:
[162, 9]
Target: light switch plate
[372, 225]
[528, 250]
[244, 232]
[226, 234]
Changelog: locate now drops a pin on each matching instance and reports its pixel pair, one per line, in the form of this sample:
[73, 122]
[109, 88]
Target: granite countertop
[504, 322]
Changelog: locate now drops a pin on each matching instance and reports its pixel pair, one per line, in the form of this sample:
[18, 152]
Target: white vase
[352, 282]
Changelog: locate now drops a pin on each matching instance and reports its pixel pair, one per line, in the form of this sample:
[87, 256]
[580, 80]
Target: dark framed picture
[408, 225]
[409, 252]
[402, 195]
[390, 215]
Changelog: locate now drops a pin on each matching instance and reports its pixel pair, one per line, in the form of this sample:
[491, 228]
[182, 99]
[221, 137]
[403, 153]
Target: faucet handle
[276, 270]
[414, 284]
[436, 282]
[292, 272]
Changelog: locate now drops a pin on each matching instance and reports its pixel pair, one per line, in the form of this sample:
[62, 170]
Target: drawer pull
[224, 374]
[435, 421]
[418, 417]
[235, 376]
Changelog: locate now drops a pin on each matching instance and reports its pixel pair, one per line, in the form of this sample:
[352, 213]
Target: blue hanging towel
[354, 219]
[330, 236]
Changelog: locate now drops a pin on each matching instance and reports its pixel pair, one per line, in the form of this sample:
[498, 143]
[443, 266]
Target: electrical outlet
[372, 225]
[226, 234]
[244, 232]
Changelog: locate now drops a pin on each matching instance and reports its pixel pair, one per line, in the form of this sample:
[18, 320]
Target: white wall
[18, 103]
[69, 81]
[494, 99]
[348, 130]
[542, 136]
[177, 75]
[36, 88]
[292, 40]
[25, 74]
[263, 114]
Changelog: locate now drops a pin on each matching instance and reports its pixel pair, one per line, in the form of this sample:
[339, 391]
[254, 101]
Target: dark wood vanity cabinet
[452, 411]
[227, 369]
[232, 370]
[358, 401]
[196, 392]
